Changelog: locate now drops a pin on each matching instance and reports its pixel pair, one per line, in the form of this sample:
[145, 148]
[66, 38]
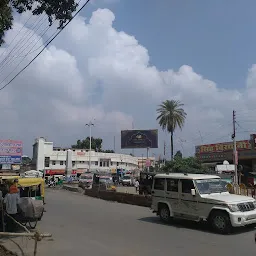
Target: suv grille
[246, 207]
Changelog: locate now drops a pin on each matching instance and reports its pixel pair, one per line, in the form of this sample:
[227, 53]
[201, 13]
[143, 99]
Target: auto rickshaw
[29, 188]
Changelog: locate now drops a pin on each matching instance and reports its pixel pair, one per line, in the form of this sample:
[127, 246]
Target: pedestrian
[137, 185]
[11, 202]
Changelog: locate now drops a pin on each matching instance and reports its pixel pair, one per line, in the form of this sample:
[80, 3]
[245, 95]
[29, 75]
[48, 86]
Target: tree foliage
[184, 165]
[171, 116]
[60, 10]
[96, 145]
[178, 154]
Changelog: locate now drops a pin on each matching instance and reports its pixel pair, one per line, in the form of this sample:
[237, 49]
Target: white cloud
[93, 71]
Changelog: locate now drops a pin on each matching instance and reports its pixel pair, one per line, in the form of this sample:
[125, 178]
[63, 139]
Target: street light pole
[90, 124]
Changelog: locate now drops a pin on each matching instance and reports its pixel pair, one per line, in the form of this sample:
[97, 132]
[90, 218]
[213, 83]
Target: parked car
[201, 197]
[85, 180]
[127, 180]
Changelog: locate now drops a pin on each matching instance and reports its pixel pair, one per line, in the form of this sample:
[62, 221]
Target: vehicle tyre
[220, 222]
[164, 213]
[42, 214]
[32, 224]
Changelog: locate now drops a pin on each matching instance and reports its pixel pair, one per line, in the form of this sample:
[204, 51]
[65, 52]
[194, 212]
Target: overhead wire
[23, 58]
[4, 86]
[13, 40]
[22, 47]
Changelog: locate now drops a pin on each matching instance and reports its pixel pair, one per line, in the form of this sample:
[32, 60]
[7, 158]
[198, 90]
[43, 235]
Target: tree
[26, 160]
[170, 116]
[178, 155]
[96, 145]
[60, 10]
[184, 165]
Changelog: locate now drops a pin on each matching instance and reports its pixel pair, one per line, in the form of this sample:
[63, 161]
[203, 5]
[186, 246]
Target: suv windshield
[127, 178]
[209, 186]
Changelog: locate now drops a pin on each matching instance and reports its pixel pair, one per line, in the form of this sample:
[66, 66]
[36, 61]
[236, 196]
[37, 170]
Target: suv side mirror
[193, 192]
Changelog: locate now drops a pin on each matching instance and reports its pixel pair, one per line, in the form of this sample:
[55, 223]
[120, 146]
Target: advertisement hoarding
[139, 139]
[10, 151]
[223, 147]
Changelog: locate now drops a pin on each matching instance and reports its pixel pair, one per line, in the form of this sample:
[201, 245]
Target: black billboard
[139, 139]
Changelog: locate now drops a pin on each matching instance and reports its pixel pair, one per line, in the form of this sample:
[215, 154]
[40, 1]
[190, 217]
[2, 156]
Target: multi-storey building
[47, 157]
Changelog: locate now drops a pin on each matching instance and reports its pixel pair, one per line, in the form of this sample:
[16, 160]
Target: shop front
[217, 153]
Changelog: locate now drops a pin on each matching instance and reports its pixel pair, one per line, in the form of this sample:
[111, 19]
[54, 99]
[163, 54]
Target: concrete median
[125, 198]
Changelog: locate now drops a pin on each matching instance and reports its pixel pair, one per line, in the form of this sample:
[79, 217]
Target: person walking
[11, 202]
[137, 185]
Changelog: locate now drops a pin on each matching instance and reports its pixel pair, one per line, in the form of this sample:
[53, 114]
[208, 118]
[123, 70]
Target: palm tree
[171, 115]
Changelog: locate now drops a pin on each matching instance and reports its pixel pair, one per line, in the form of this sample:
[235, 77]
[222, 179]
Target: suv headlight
[234, 207]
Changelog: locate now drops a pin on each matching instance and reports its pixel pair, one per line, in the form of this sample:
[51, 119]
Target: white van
[200, 197]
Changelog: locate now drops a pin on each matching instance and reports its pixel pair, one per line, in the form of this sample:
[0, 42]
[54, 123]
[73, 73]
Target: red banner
[223, 147]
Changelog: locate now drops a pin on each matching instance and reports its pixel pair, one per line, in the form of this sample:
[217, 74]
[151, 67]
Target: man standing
[137, 185]
[11, 201]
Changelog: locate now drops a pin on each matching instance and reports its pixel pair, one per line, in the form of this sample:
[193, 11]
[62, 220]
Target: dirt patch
[5, 252]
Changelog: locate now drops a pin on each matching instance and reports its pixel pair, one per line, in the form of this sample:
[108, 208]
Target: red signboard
[54, 172]
[11, 147]
[223, 147]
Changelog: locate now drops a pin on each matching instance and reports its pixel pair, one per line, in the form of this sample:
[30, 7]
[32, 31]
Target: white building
[47, 157]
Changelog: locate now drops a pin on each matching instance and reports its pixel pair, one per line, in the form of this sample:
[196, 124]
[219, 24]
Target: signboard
[139, 139]
[11, 148]
[10, 151]
[223, 147]
[80, 153]
[10, 159]
[148, 163]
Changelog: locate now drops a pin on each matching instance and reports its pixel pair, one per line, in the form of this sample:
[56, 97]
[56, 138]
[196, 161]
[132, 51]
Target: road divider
[71, 188]
[124, 198]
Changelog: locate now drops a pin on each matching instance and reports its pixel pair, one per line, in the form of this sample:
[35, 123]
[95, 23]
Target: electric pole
[90, 124]
[164, 151]
[235, 154]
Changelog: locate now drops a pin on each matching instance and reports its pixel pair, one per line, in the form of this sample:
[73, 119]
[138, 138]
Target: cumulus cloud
[92, 71]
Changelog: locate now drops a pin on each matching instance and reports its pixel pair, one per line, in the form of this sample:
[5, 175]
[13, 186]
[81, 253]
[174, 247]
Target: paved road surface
[86, 226]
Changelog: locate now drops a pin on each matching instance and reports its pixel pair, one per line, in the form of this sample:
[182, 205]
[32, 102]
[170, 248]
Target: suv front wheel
[164, 213]
[220, 222]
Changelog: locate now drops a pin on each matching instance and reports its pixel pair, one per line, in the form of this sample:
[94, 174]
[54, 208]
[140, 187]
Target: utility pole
[164, 151]
[235, 155]
[90, 124]
[133, 129]
[115, 144]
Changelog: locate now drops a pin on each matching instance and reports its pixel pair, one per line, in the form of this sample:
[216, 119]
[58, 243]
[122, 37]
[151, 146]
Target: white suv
[200, 197]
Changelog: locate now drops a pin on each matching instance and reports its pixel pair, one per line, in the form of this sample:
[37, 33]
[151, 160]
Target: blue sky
[217, 38]
[213, 39]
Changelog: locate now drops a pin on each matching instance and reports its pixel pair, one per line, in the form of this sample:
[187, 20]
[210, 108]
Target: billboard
[10, 151]
[139, 139]
[223, 147]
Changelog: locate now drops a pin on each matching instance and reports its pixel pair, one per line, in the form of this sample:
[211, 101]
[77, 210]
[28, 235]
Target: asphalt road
[86, 226]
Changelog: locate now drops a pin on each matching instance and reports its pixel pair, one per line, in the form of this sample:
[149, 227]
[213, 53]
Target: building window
[104, 164]
[100, 163]
[96, 163]
[73, 163]
[61, 162]
[111, 163]
[126, 164]
[53, 162]
[117, 163]
[107, 164]
[47, 161]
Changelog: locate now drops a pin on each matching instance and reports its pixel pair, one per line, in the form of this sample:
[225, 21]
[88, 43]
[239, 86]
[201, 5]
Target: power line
[15, 36]
[45, 46]
[20, 41]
